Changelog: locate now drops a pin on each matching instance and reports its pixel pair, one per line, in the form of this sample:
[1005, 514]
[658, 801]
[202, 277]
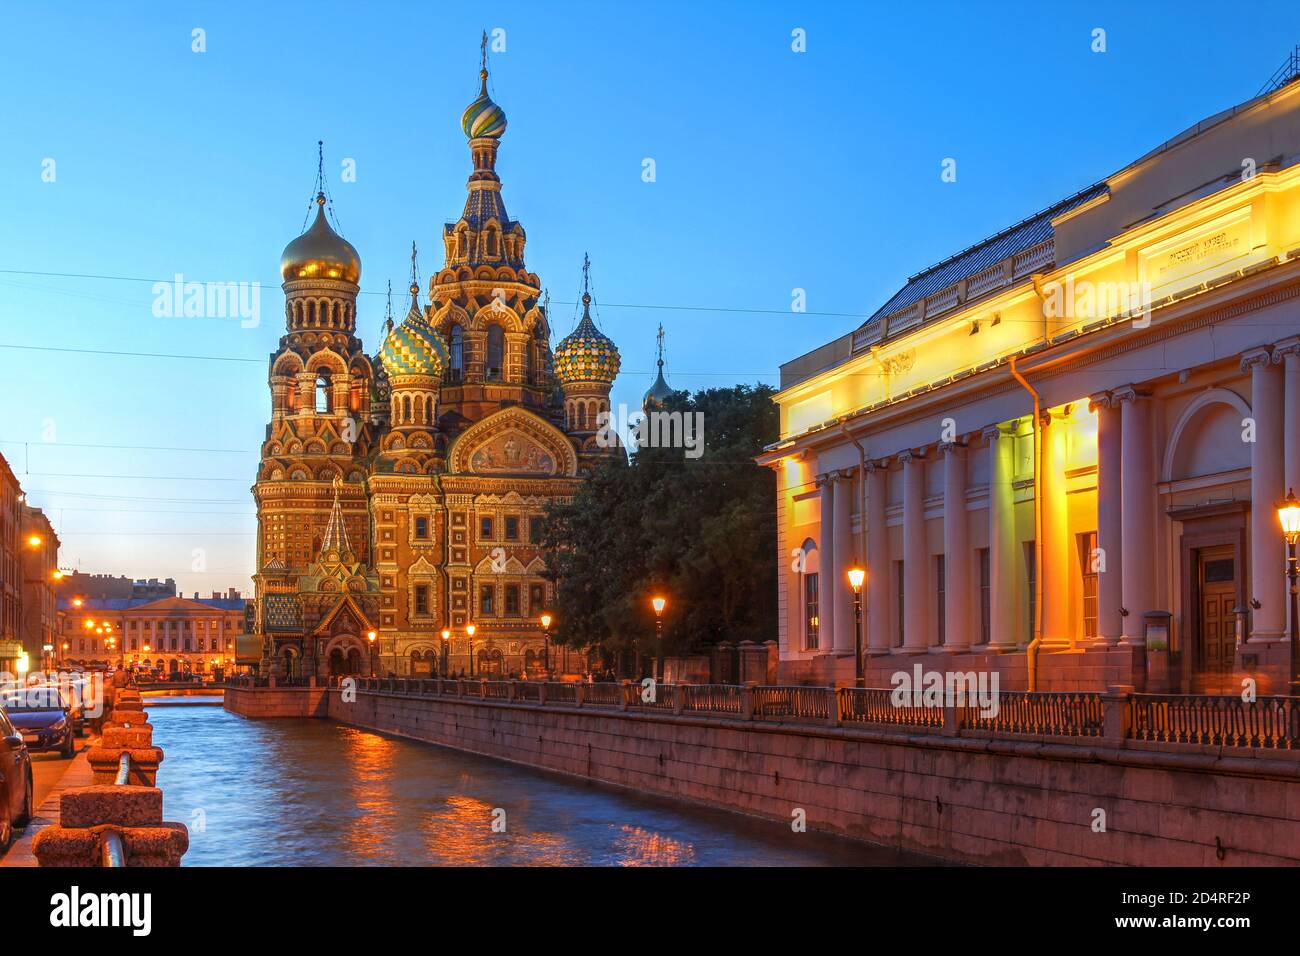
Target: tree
[702, 530]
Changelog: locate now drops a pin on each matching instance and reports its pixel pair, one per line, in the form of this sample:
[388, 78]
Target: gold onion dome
[658, 393]
[483, 117]
[586, 354]
[320, 253]
[413, 348]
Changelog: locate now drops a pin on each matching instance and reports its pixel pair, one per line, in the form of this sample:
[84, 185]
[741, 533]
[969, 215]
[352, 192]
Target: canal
[291, 792]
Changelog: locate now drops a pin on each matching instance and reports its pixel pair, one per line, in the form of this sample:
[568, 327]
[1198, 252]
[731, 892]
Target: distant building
[169, 634]
[39, 552]
[11, 646]
[106, 586]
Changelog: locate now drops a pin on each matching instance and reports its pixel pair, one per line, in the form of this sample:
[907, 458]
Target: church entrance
[490, 663]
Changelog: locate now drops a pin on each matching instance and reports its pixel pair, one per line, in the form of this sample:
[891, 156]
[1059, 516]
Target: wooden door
[1217, 595]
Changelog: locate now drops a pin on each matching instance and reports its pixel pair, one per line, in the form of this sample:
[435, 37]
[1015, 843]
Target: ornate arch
[512, 441]
[1193, 409]
[327, 358]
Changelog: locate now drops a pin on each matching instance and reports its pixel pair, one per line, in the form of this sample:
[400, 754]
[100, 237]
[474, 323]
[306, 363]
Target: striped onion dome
[413, 348]
[586, 354]
[483, 117]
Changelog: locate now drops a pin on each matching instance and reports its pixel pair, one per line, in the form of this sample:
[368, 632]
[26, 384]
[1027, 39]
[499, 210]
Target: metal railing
[1271, 723]
[794, 702]
[1053, 714]
[712, 698]
[113, 853]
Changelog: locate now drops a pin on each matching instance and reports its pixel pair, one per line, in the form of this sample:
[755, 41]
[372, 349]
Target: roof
[160, 604]
[997, 248]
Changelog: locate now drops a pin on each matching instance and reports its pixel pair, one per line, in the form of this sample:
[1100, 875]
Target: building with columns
[1058, 452]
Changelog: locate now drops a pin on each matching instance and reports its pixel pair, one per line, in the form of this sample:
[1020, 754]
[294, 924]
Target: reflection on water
[316, 793]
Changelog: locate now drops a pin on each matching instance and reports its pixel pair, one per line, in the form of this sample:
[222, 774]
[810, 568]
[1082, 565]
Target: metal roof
[997, 248]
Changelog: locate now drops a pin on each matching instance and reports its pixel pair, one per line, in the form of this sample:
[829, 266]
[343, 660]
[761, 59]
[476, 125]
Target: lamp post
[857, 574]
[658, 603]
[546, 643]
[470, 629]
[1288, 514]
[370, 636]
[446, 641]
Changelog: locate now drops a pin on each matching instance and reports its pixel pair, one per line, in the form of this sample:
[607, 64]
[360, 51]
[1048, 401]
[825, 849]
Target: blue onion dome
[586, 354]
[413, 348]
[483, 117]
[657, 394]
[320, 253]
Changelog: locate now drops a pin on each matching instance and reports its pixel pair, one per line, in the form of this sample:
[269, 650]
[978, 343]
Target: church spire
[334, 545]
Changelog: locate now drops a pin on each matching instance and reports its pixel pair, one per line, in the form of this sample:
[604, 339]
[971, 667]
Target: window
[986, 597]
[422, 527]
[1088, 567]
[512, 528]
[902, 639]
[536, 598]
[485, 527]
[512, 600]
[1031, 578]
[811, 620]
[939, 575]
[535, 529]
[456, 349]
[322, 393]
[496, 350]
[422, 599]
[485, 599]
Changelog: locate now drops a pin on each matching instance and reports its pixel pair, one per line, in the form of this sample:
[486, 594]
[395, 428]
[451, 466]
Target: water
[292, 792]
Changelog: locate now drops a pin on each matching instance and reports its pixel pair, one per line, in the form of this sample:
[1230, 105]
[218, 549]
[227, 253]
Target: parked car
[15, 781]
[43, 716]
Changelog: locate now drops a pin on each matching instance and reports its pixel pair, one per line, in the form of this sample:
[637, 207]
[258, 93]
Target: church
[400, 495]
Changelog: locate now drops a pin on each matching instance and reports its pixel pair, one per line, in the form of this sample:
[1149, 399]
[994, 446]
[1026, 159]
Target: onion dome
[413, 348]
[483, 117]
[586, 354]
[320, 253]
[657, 394]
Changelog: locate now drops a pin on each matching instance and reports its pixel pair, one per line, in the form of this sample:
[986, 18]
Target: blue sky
[775, 170]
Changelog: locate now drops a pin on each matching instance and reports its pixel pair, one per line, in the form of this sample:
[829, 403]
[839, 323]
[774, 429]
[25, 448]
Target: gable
[513, 441]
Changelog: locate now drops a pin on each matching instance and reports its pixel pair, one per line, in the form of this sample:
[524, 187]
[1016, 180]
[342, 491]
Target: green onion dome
[413, 348]
[483, 117]
[586, 354]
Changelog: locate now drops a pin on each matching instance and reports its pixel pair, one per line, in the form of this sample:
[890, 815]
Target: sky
[126, 157]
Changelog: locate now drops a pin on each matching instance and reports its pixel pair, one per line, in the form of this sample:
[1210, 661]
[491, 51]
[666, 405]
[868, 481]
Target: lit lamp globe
[446, 634]
[546, 622]
[658, 603]
[857, 575]
[370, 636]
[1288, 514]
[470, 629]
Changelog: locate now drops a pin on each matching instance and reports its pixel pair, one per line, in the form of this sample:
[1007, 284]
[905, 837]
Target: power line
[64, 444]
[170, 501]
[60, 474]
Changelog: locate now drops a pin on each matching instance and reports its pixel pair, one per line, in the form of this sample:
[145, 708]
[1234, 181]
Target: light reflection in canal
[317, 793]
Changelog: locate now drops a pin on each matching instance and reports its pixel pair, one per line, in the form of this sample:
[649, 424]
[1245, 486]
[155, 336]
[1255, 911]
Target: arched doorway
[289, 661]
[338, 664]
[490, 662]
[423, 662]
[354, 662]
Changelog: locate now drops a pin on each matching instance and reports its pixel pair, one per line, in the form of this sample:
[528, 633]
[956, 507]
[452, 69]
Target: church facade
[400, 495]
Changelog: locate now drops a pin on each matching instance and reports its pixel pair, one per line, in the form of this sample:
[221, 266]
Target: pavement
[51, 775]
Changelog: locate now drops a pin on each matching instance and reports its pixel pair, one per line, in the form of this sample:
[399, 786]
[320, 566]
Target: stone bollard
[578, 694]
[88, 814]
[625, 698]
[1115, 714]
[512, 690]
[541, 694]
[747, 700]
[104, 762]
[120, 717]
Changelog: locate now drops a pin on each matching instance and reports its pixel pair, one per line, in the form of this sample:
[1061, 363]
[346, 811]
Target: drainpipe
[1031, 653]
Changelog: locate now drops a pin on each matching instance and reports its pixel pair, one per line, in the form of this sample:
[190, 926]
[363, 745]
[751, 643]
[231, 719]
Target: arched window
[406, 409]
[323, 393]
[582, 417]
[419, 409]
[456, 348]
[496, 350]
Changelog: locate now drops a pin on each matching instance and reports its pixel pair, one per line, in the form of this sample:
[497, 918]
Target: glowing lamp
[470, 629]
[857, 575]
[370, 636]
[546, 621]
[1288, 513]
[446, 634]
[658, 603]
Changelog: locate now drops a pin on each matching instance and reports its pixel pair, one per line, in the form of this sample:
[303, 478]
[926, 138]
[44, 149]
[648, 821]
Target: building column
[916, 577]
[1267, 546]
[843, 551]
[878, 633]
[956, 549]
[826, 578]
[1288, 352]
[1110, 520]
[1003, 585]
[1054, 550]
[1137, 513]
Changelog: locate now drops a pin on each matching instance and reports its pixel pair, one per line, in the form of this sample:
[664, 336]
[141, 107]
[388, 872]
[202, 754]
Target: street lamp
[470, 629]
[857, 574]
[546, 645]
[446, 642]
[370, 636]
[658, 603]
[1288, 514]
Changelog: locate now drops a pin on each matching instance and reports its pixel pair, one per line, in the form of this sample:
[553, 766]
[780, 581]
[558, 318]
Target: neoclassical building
[400, 494]
[1058, 453]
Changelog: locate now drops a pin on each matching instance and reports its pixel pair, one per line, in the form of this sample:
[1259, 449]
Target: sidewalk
[78, 774]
